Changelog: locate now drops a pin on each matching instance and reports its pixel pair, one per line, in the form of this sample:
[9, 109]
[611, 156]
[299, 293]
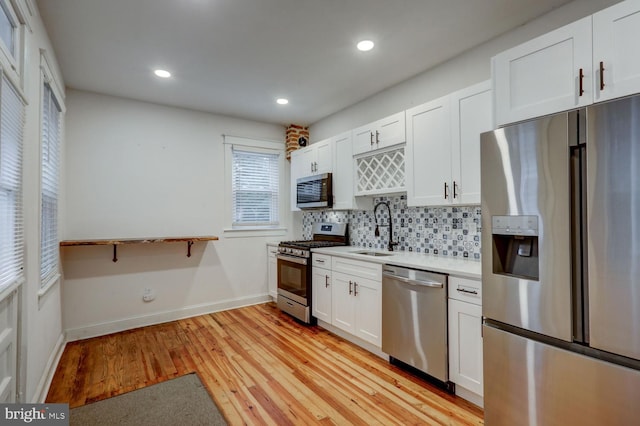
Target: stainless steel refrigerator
[561, 268]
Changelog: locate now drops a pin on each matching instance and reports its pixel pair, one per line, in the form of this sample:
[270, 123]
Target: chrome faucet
[377, 231]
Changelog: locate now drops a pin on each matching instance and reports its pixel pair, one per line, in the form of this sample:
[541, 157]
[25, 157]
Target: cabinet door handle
[601, 75]
[312, 167]
[464, 290]
[455, 189]
[350, 290]
[371, 134]
[377, 137]
[581, 81]
[446, 190]
[355, 288]
[326, 281]
[320, 260]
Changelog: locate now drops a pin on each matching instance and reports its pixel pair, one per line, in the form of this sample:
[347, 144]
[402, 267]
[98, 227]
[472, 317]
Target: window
[49, 186]
[255, 188]
[254, 175]
[7, 31]
[12, 117]
[11, 49]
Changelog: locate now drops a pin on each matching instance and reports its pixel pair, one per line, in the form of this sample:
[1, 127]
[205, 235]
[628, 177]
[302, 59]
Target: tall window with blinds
[255, 187]
[50, 164]
[12, 118]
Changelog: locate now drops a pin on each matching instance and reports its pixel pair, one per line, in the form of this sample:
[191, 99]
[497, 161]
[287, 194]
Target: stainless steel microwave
[313, 192]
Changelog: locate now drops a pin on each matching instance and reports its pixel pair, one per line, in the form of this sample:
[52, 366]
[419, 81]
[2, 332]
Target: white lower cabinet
[348, 296]
[272, 270]
[321, 293]
[357, 307]
[465, 336]
[357, 298]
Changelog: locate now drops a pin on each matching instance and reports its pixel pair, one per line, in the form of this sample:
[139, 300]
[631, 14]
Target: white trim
[8, 290]
[254, 232]
[109, 327]
[42, 389]
[253, 143]
[24, 13]
[49, 283]
[32, 8]
[52, 79]
[281, 228]
[14, 79]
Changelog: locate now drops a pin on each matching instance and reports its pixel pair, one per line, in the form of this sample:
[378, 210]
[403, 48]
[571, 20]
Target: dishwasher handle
[422, 283]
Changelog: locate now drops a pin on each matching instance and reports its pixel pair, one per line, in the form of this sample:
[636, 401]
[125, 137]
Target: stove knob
[289, 250]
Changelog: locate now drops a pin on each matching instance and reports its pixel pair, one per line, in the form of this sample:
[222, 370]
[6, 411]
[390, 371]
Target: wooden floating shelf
[116, 242]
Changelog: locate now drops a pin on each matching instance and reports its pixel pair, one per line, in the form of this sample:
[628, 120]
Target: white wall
[464, 70]
[137, 169]
[41, 326]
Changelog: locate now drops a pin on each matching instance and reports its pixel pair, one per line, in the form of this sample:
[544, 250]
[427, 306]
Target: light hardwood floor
[261, 367]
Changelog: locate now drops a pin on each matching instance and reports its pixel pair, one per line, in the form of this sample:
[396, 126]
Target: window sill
[48, 285]
[256, 232]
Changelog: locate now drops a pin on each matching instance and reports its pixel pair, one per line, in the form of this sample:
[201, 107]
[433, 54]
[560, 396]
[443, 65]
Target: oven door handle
[292, 259]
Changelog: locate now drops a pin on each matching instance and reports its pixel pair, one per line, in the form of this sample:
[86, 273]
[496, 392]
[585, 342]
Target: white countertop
[448, 265]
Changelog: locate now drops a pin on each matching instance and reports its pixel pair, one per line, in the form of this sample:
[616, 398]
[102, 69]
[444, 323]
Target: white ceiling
[235, 57]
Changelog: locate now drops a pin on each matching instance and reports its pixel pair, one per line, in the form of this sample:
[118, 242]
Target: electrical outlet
[148, 294]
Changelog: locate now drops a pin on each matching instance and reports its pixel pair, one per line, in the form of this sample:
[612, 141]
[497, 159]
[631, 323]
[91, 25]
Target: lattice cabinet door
[381, 173]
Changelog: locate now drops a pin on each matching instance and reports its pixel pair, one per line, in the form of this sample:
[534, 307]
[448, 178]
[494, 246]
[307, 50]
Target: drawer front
[465, 290]
[321, 260]
[359, 268]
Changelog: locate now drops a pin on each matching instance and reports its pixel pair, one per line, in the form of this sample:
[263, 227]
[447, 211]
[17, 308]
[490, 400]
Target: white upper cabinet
[343, 183]
[299, 168]
[428, 153]
[471, 115]
[548, 74]
[616, 64]
[590, 60]
[312, 160]
[316, 158]
[443, 147]
[379, 134]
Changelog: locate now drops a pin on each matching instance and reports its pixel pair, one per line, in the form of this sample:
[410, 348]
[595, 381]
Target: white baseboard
[109, 327]
[40, 394]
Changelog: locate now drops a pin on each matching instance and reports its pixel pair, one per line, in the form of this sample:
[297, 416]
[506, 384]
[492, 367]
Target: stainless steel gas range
[294, 268]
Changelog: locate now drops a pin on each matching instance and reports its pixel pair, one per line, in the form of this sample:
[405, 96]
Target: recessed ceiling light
[365, 45]
[162, 73]
[282, 101]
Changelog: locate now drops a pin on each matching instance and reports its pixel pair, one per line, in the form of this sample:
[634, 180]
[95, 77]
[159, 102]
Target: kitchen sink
[373, 253]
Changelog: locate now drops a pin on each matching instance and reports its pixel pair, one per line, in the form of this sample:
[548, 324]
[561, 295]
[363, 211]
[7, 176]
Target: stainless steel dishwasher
[414, 320]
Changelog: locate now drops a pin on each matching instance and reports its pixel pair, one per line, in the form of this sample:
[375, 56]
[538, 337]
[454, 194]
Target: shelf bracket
[189, 244]
[115, 253]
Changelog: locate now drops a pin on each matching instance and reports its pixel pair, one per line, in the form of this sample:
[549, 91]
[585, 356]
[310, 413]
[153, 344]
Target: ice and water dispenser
[515, 246]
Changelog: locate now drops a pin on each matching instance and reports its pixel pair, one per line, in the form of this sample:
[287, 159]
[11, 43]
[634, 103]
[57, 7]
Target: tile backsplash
[443, 231]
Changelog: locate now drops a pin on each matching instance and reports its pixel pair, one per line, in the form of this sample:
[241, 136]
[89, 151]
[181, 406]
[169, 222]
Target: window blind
[49, 251]
[12, 119]
[255, 187]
